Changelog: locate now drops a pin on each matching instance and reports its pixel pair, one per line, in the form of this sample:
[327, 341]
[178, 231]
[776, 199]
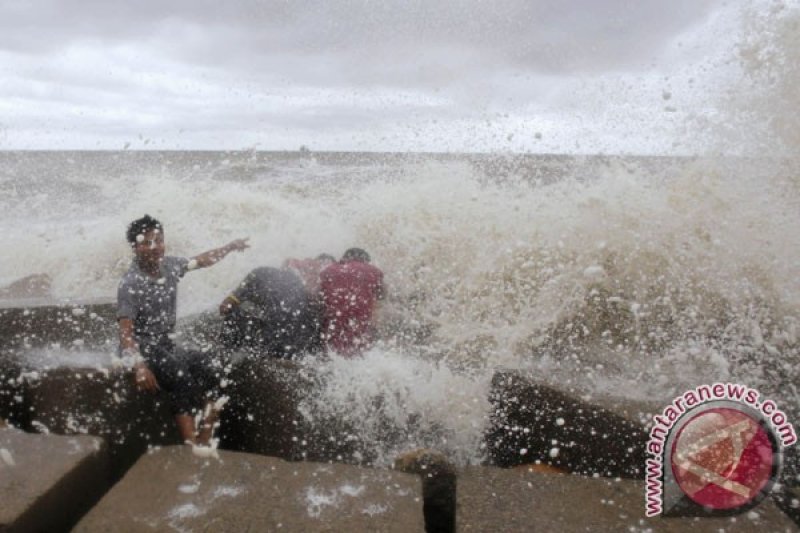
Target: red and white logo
[716, 450]
[722, 458]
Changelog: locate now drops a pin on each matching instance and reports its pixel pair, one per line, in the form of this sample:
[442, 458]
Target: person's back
[309, 270]
[350, 291]
[271, 313]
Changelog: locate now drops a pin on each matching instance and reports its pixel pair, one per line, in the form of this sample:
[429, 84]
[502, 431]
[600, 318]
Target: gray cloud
[100, 68]
[372, 41]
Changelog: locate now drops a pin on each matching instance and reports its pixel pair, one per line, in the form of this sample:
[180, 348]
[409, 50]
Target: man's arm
[145, 380]
[211, 257]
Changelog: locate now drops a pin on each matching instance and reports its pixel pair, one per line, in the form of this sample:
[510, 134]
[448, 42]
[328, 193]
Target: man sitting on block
[146, 313]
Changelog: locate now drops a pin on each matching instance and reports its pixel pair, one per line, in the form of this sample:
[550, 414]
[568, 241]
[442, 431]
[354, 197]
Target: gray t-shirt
[151, 303]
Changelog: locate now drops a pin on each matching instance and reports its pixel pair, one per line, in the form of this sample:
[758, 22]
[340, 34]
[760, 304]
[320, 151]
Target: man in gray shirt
[146, 313]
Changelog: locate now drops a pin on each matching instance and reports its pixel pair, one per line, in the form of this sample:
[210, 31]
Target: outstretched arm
[211, 257]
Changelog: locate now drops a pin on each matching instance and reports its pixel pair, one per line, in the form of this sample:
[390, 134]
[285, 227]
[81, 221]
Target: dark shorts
[190, 378]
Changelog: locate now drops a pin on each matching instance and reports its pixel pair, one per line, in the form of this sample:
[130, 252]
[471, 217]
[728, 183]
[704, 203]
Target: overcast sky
[437, 75]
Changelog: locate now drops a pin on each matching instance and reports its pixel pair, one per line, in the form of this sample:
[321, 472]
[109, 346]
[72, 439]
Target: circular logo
[723, 458]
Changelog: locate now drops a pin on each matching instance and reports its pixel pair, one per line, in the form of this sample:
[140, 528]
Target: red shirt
[349, 294]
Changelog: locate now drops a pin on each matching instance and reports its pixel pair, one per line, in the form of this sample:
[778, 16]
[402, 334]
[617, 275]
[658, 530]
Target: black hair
[140, 226]
[326, 257]
[356, 254]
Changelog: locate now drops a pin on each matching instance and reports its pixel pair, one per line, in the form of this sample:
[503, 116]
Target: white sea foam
[318, 500]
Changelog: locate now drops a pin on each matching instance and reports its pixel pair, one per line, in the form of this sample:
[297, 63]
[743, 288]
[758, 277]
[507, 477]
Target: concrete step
[48, 482]
[519, 500]
[174, 489]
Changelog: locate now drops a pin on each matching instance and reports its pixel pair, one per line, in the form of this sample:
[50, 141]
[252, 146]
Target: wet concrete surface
[48, 482]
[517, 500]
[174, 489]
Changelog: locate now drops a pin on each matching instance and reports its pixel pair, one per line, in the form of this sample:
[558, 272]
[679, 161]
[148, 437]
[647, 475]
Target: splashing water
[627, 277]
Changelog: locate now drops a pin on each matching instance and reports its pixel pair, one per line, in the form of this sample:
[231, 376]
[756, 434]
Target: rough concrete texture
[263, 415]
[787, 499]
[515, 500]
[172, 489]
[48, 482]
[76, 401]
[533, 422]
[42, 322]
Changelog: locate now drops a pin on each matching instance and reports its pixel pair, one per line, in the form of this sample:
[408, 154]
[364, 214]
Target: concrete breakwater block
[11, 399]
[78, 401]
[532, 422]
[261, 415]
[48, 482]
[42, 322]
[517, 500]
[264, 415]
[173, 489]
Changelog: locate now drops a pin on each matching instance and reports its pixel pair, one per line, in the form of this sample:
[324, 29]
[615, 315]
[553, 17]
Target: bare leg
[186, 427]
[207, 426]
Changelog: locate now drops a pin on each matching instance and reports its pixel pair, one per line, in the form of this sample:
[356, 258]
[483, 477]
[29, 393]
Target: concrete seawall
[601, 442]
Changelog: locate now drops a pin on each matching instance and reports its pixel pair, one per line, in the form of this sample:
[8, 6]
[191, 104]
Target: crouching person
[146, 313]
[269, 315]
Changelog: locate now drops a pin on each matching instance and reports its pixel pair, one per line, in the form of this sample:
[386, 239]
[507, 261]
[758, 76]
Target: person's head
[325, 258]
[146, 237]
[356, 254]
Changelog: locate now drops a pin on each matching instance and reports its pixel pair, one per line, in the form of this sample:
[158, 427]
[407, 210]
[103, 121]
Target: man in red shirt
[350, 292]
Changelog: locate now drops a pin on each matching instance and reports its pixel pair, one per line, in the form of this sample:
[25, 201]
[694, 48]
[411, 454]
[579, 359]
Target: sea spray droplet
[375, 509]
[317, 500]
[205, 452]
[189, 489]
[227, 491]
[6, 456]
[188, 510]
[350, 490]
[594, 271]
[219, 404]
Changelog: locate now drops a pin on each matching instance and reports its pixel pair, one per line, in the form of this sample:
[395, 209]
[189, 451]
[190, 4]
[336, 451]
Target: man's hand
[239, 245]
[145, 379]
[228, 304]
